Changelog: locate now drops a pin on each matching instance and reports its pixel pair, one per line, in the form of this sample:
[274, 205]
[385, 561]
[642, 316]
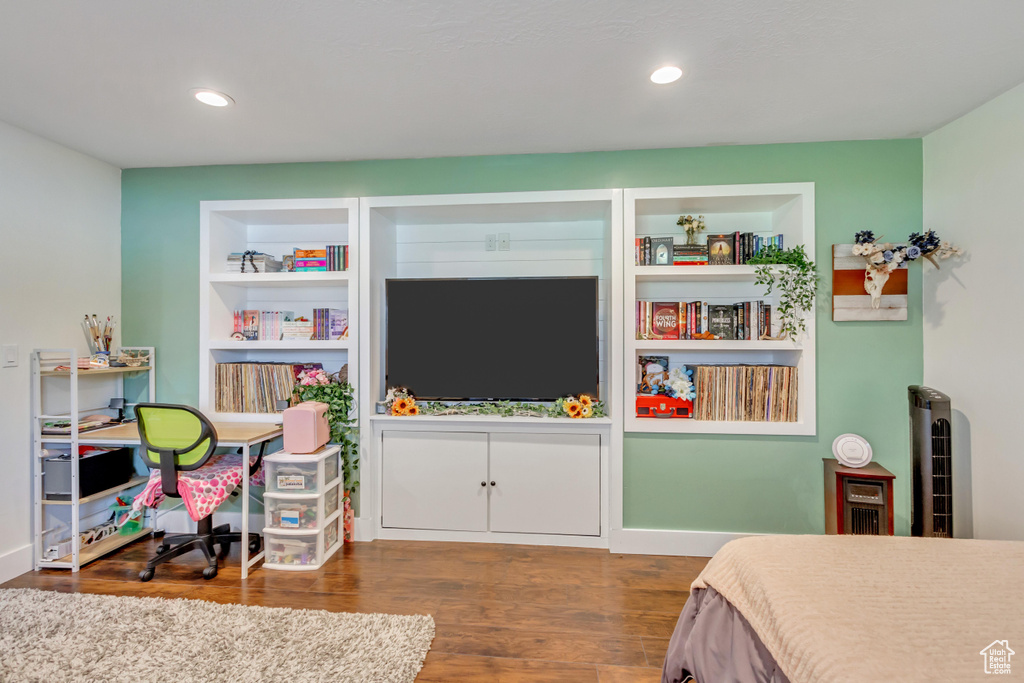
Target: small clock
[851, 450]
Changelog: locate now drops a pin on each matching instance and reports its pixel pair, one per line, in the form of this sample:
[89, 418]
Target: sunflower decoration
[572, 407]
[401, 402]
[401, 406]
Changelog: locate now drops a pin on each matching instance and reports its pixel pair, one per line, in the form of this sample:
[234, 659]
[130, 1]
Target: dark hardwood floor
[503, 612]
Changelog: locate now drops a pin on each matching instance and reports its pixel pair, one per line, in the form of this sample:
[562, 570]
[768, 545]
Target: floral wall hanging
[869, 278]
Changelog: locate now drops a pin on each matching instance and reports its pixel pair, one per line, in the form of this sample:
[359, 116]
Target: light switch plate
[10, 355]
[489, 243]
[503, 241]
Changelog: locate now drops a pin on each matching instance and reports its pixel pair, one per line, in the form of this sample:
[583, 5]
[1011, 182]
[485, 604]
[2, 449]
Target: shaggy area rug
[47, 636]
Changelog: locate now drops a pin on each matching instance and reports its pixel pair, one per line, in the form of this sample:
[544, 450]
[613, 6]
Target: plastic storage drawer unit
[303, 509]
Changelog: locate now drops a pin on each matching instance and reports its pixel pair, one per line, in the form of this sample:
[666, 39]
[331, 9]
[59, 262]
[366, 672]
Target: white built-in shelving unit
[550, 234]
[275, 227]
[786, 209]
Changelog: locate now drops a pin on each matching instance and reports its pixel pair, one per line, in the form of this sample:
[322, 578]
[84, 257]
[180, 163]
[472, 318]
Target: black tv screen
[515, 339]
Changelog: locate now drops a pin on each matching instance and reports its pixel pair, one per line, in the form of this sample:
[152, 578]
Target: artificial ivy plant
[796, 281]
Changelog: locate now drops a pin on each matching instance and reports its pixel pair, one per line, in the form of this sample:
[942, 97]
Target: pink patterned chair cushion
[201, 490]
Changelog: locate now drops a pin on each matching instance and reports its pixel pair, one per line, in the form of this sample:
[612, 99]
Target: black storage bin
[97, 472]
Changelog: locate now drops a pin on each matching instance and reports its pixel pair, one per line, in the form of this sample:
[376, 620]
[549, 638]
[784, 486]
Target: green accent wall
[716, 483]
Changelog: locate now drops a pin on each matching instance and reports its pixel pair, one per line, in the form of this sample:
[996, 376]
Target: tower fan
[931, 447]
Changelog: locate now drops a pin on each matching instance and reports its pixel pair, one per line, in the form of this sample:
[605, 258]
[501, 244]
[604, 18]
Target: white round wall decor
[851, 450]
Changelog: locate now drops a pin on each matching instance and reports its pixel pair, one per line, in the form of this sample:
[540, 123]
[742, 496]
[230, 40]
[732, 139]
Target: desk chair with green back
[177, 438]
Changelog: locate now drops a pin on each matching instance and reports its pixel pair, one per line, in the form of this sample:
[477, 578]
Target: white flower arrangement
[883, 258]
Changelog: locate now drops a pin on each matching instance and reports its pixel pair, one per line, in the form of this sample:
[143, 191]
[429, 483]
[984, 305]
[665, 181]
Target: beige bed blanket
[869, 608]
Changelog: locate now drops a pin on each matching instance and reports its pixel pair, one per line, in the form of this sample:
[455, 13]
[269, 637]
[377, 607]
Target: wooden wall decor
[850, 301]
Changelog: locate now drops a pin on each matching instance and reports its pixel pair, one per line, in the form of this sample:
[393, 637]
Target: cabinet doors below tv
[502, 482]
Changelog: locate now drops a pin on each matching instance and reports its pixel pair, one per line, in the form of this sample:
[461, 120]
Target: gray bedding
[713, 643]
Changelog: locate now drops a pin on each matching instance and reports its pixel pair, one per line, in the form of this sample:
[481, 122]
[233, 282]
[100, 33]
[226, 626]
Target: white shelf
[694, 273]
[281, 345]
[313, 279]
[654, 425]
[495, 419]
[134, 481]
[97, 550]
[714, 345]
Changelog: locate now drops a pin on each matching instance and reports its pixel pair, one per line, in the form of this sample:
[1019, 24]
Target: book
[661, 250]
[308, 262]
[311, 253]
[647, 251]
[665, 324]
[721, 250]
[721, 321]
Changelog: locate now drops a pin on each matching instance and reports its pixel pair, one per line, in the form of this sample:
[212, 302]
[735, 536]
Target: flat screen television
[514, 339]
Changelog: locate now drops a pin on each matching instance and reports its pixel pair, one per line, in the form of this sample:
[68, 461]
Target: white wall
[974, 196]
[60, 257]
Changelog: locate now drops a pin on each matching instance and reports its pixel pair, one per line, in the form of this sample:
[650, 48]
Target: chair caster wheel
[254, 547]
[146, 574]
[209, 572]
[225, 550]
[161, 548]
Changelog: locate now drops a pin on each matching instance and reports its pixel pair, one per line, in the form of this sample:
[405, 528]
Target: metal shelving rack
[43, 363]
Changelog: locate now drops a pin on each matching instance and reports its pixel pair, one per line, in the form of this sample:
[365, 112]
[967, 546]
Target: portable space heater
[931, 449]
[858, 500]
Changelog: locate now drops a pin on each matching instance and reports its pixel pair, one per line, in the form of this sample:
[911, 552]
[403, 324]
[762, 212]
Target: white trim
[364, 529]
[15, 562]
[669, 542]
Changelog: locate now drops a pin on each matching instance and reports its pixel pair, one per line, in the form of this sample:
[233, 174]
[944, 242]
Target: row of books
[333, 257]
[720, 250]
[327, 324]
[253, 262]
[746, 393]
[261, 325]
[744, 320]
[256, 387]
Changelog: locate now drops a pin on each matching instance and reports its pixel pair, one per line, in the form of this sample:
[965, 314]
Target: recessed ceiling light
[666, 74]
[212, 97]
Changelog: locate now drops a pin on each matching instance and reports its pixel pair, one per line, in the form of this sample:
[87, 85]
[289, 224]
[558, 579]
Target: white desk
[242, 435]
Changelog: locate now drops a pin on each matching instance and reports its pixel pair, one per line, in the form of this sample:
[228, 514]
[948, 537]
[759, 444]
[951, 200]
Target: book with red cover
[665, 322]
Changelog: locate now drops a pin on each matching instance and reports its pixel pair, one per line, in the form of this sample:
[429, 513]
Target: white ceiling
[369, 79]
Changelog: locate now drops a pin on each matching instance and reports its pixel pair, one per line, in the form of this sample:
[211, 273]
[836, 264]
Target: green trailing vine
[505, 409]
[316, 385]
[796, 282]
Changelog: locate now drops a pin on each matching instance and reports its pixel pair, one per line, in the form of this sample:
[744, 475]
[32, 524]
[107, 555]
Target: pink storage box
[305, 427]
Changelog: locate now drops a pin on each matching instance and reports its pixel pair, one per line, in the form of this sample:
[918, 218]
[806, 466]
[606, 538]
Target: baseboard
[364, 530]
[669, 542]
[15, 562]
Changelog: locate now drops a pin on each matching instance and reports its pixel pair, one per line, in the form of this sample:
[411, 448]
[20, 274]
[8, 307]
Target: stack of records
[253, 262]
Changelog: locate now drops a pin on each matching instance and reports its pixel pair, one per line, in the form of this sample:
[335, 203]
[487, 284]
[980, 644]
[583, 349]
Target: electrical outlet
[502, 241]
[489, 243]
[10, 355]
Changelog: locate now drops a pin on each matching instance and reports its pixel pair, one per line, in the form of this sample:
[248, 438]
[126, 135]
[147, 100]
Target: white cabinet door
[546, 483]
[433, 480]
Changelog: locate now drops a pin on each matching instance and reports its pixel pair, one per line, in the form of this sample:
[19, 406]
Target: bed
[815, 609]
